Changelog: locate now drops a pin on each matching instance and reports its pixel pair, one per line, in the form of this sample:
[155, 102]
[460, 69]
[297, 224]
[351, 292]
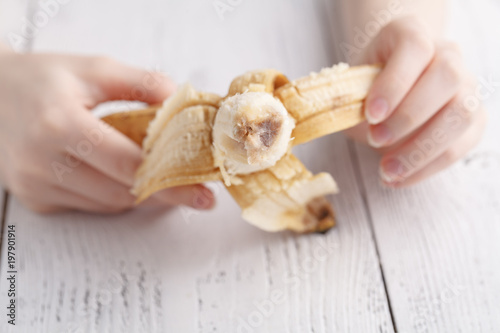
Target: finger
[430, 142]
[441, 80]
[88, 182]
[102, 147]
[195, 196]
[56, 199]
[406, 49]
[112, 80]
[456, 152]
[113, 155]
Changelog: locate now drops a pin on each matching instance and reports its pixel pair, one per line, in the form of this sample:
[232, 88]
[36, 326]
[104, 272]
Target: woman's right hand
[55, 154]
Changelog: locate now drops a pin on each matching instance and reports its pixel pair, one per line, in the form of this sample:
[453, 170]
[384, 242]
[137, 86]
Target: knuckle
[449, 68]
[407, 120]
[396, 80]
[414, 33]
[404, 23]
[452, 155]
[462, 117]
[52, 124]
[394, 84]
[465, 112]
[421, 41]
[100, 63]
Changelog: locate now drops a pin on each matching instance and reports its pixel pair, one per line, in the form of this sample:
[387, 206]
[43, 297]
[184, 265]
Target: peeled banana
[245, 139]
[252, 131]
[178, 145]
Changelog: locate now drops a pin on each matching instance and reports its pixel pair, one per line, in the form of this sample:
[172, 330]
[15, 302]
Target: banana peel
[178, 145]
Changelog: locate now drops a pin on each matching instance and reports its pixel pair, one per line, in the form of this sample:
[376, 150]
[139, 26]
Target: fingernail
[379, 136]
[203, 199]
[391, 172]
[377, 111]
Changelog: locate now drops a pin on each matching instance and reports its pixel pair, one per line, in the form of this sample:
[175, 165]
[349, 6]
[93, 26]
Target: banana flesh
[185, 97]
[178, 143]
[252, 131]
[188, 143]
[182, 154]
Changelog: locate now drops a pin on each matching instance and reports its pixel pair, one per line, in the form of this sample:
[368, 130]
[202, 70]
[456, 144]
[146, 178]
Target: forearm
[365, 17]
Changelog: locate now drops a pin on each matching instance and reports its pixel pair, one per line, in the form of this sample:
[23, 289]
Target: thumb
[110, 80]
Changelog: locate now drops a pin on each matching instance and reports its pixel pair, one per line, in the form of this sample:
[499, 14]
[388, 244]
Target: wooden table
[424, 259]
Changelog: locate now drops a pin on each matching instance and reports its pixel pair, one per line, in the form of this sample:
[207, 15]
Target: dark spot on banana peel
[323, 213]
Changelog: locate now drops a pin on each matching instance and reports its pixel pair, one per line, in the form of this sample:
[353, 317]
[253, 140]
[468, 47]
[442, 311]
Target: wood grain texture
[184, 271]
[439, 241]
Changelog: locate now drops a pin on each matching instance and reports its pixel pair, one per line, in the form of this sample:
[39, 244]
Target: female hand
[55, 154]
[423, 110]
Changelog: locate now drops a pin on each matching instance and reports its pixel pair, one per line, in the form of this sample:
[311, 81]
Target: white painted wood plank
[439, 241]
[199, 274]
[181, 271]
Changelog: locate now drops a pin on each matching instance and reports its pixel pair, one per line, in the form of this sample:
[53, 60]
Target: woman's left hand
[424, 109]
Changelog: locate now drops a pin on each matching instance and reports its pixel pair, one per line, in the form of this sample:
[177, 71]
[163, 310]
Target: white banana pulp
[252, 131]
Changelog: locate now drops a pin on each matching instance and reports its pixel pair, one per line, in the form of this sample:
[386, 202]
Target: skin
[419, 110]
[44, 118]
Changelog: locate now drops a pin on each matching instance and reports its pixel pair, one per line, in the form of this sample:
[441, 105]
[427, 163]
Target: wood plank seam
[362, 188]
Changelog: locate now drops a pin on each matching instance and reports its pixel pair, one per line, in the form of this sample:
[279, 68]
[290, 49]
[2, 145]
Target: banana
[286, 196]
[178, 144]
[134, 124]
[182, 154]
[245, 140]
[327, 102]
[264, 80]
[185, 97]
[252, 131]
